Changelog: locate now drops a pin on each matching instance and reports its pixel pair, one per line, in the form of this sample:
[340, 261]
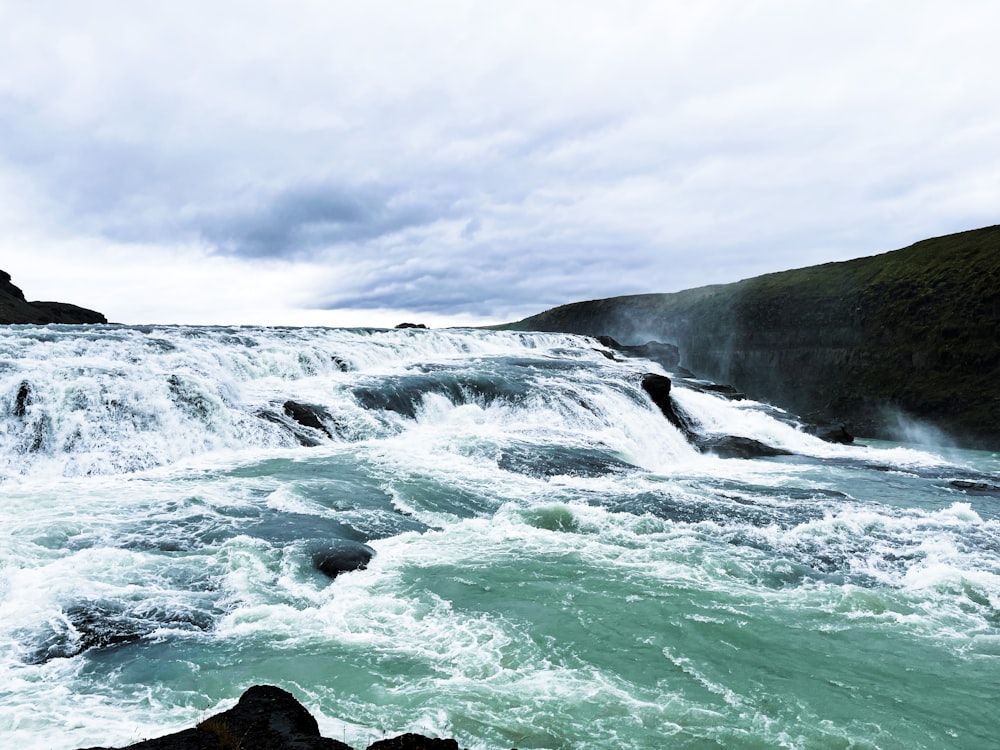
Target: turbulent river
[553, 565]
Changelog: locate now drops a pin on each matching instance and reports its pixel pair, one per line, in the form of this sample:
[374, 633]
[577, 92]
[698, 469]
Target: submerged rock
[552, 461]
[342, 557]
[413, 742]
[724, 390]
[734, 446]
[22, 400]
[831, 434]
[309, 415]
[269, 718]
[103, 625]
[975, 488]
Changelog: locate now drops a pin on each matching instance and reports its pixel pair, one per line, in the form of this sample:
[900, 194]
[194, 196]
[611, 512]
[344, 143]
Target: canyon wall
[872, 343]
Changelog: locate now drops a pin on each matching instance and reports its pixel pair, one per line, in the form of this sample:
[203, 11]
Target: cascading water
[554, 565]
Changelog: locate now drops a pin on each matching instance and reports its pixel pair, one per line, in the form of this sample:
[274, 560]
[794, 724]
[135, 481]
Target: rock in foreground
[269, 718]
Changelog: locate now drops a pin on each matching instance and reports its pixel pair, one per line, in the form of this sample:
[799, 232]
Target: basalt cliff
[15, 309]
[873, 343]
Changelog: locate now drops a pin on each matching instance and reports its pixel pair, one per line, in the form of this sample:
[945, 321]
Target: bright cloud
[344, 164]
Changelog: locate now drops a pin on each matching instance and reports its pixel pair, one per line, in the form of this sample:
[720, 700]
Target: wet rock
[411, 325]
[975, 488]
[306, 438]
[22, 400]
[101, 625]
[831, 434]
[734, 446]
[266, 718]
[269, 718]
[658, 388]
[413, 742]
[342, 557]
[552, 461]
[309, 415]
[666, 355]
[724, 390]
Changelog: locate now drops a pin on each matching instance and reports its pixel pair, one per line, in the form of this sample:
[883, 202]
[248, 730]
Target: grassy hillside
[914, 330]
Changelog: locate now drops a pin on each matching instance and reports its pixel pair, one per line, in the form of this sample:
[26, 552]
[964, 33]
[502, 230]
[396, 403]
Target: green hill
[915, 331]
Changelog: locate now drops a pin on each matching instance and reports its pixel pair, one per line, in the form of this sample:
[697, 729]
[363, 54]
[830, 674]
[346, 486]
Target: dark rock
[727, 391]
[666, 355]
[8, 289]
[306, 438]
[187, 395]
[975, 488]
[309, 415]
[831, 434]
[14, 309]
[342, 557]
[103, 625]
[609, 342]
[411, 325]
[733, 446]
[266, 718]
[22, 400]
[413, 742]
[658, 388]
[269, 718]
[553, 461]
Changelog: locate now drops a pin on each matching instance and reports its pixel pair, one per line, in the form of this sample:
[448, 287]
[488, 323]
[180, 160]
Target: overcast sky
[365, 163]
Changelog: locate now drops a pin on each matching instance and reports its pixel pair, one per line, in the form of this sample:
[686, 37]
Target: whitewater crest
[117, 400]
[109, 400]
[495, 536]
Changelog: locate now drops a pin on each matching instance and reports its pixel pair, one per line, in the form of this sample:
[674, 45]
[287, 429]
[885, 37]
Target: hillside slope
[15, 309]
[915, 331]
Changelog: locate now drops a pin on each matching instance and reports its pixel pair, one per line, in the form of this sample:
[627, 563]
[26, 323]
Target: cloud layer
[474, 162]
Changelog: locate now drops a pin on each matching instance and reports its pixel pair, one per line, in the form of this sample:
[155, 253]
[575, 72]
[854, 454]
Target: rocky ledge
[269, 718]
[15, 309]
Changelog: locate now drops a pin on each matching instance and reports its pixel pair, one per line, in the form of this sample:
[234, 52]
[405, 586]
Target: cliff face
[15, 309]
[911, 331]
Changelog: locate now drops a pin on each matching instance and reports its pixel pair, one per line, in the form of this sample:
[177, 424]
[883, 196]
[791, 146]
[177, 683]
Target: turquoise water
[553, 565]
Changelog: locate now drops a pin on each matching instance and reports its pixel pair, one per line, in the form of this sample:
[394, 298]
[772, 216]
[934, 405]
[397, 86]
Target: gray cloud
[455, 160]
[301, 220]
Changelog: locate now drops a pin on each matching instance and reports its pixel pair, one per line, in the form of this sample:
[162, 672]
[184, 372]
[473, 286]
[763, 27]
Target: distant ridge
[912, 333]
[15, 309]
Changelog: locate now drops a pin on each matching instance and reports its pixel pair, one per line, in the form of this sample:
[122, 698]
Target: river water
[554, 565]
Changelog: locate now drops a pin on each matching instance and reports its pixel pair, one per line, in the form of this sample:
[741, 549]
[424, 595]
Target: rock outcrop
[15, 309]
[856, 343]
[667, 355]
[736, 446]
[658, 387]
[269, 718]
